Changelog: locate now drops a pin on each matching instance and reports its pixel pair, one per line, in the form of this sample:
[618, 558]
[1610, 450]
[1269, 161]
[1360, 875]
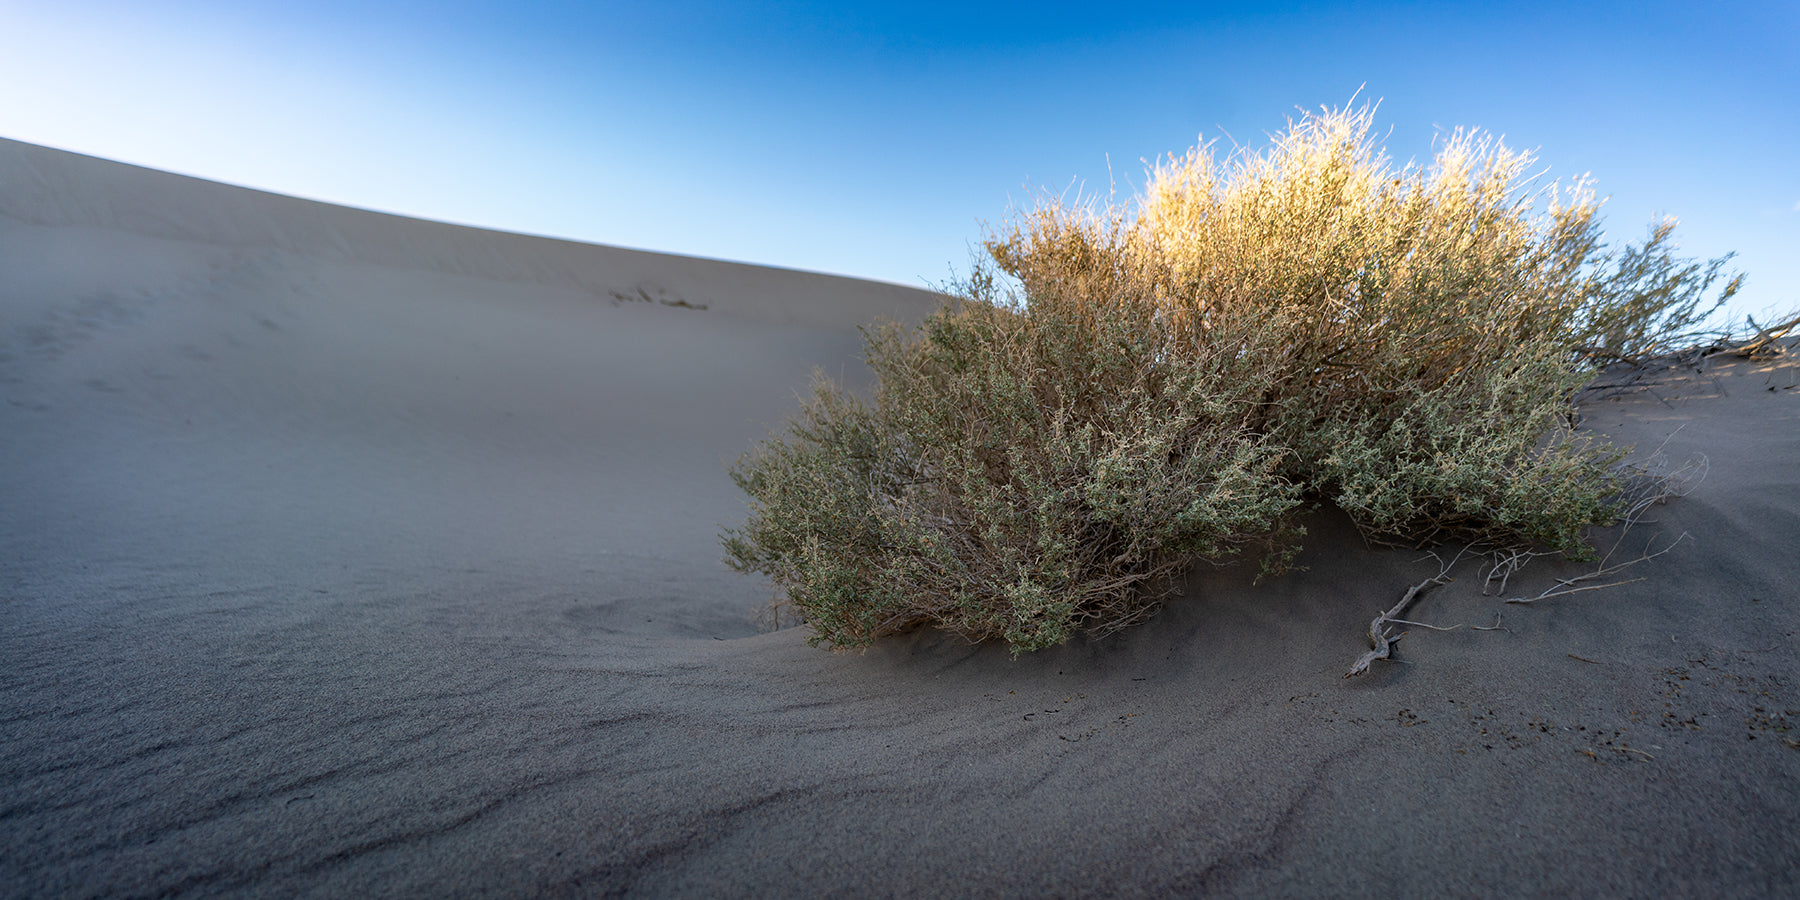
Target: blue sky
[875, 140]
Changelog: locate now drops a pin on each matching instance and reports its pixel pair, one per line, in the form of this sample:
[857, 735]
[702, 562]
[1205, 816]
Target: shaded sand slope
[258, 389]
[345, 552]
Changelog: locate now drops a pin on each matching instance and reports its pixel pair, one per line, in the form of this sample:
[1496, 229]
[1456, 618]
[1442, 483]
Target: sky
[884, 140]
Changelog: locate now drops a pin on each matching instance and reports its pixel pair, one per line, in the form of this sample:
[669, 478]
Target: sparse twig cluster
[1766, 343]
[1650, 491]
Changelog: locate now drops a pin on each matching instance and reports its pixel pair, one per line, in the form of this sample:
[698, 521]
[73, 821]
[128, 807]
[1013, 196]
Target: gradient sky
[875, 140]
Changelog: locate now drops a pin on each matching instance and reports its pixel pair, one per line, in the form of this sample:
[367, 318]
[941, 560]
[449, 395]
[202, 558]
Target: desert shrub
[1118, 393]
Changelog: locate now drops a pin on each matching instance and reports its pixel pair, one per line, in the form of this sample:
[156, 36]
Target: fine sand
[343, 553]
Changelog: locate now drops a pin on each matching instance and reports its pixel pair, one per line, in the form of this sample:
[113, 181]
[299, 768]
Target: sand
[342, 553]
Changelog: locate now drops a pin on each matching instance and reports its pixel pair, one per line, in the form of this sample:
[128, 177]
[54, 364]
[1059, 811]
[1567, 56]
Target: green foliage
[1024, 473]
[1122, 393]
[1484, 457]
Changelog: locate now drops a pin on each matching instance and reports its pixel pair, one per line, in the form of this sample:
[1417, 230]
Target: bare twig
[1423, 625]
[1494, 627]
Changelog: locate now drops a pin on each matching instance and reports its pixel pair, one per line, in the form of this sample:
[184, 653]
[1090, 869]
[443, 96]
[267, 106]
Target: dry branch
[1380, 639]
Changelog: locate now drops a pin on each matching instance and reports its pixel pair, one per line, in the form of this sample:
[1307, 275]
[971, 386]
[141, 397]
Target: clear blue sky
[875, 140]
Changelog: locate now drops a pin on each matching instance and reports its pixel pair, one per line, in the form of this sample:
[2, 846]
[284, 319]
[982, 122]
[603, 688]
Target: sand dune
[346, 553]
